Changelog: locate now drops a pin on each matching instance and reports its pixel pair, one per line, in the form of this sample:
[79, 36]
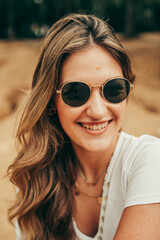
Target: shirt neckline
[80, 234]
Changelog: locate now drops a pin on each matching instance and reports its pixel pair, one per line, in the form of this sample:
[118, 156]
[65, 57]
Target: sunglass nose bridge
[97, 86]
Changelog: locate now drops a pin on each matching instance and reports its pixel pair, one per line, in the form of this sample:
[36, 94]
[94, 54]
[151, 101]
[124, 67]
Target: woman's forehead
[90, 63]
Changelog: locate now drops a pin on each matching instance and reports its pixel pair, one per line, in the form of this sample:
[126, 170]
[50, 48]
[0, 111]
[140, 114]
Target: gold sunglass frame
[59, 91]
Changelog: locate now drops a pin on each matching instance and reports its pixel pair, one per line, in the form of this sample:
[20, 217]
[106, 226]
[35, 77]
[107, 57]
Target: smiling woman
[78, 175]
[82, 123]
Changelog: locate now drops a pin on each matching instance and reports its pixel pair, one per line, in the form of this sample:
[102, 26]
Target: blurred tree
[114, 12]
[26, 18]
[148, 16]
[129, 18]
[42, 12]
[10, 19]
[100, 7]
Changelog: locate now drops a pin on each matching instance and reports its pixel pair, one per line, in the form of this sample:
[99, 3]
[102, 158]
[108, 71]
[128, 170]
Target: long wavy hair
[44, 170]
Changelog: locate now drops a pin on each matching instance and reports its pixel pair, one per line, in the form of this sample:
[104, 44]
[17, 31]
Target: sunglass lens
[75, 94]
[116, 90]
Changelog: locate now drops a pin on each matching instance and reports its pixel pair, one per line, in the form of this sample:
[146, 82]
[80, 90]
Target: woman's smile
[95, 128]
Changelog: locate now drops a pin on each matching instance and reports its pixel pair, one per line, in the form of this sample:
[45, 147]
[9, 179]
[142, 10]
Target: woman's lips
[95, 128]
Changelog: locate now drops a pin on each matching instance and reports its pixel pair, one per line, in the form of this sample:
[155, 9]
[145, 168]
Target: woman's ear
[52, 108]
[52, 111]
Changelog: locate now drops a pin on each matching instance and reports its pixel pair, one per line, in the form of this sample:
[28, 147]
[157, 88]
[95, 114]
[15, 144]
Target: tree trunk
[10, 19]
[129, 18]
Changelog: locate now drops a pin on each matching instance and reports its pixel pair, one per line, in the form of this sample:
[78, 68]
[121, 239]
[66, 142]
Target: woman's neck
[91, 164]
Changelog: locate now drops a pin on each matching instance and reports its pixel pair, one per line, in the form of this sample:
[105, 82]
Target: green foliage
[32, 18]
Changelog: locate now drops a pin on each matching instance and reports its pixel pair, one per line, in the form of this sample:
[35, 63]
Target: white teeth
[95, 127]
[99, 126]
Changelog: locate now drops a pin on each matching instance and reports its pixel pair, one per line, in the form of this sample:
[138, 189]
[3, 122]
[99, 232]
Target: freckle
[98, 68]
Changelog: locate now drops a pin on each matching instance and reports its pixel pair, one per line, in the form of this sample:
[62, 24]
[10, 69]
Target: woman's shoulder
[135, 151]
[131, 152]
[140, 143]
[139, 153]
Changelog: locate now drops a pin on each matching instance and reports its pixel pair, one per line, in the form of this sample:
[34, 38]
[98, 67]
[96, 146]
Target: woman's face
[93, 126]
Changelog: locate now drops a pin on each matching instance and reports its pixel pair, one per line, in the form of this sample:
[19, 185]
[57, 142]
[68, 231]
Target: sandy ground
[17, 62]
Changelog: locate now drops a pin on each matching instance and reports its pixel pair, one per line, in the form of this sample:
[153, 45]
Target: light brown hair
[44, 170]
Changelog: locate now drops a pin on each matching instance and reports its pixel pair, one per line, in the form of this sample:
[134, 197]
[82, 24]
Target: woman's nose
[96, 105]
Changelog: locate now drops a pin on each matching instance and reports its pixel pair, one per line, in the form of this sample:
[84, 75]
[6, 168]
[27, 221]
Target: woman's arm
[140, 222]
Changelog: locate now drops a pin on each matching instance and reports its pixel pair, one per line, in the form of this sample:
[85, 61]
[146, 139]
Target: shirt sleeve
[143, 185]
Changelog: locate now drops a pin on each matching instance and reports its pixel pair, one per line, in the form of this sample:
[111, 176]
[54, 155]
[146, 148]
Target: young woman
[78, 175]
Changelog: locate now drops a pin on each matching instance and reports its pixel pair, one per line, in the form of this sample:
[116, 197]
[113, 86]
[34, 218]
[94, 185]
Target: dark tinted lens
[75, 94]
[116, 90]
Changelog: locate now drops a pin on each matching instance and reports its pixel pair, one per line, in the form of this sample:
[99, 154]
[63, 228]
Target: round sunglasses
[114, 90]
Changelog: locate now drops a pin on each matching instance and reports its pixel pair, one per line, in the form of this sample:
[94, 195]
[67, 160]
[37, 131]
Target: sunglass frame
[94, 86]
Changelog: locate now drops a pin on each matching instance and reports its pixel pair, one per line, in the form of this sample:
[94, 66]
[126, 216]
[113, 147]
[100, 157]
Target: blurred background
[23, 24]
[32, 18]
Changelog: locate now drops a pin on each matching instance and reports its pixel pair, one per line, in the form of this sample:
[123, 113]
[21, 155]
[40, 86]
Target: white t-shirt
[133, 178]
